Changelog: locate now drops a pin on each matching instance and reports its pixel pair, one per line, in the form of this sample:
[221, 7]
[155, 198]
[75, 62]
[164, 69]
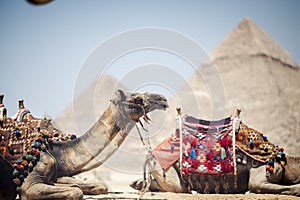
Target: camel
[51, 178]
[251, 175]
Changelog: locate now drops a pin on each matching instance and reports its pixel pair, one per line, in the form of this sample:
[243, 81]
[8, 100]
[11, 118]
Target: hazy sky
[43, 47]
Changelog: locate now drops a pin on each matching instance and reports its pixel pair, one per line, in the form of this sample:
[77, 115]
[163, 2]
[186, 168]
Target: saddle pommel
[178, 111]
[1, 98]
[238, 112]
[21, 104]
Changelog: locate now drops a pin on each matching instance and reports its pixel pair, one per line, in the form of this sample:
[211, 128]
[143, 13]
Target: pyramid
[248, 39]
[84, 111]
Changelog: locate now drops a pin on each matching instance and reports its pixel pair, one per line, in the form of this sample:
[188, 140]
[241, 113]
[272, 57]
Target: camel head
[136, 105]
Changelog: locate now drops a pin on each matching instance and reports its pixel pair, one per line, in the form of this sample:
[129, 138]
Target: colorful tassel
[251, 144]
[223, 153]
[193, 153]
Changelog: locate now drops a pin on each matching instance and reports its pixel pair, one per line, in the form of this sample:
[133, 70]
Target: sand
[174, 196]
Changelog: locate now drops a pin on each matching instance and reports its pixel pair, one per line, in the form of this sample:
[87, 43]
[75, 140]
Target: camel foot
[137, 185]
[88, 188]
[44, 191]
[140, 185]
[293, 190]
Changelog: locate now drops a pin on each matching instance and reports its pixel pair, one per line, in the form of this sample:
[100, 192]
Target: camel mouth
[165, 106]
[164, 103]
[160, 104]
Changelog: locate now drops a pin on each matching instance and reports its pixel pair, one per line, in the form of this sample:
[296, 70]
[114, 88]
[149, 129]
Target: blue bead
[271, 163]
[21, 177]
[37, 144]
[265, 138]
[18, 133]
[73, 137]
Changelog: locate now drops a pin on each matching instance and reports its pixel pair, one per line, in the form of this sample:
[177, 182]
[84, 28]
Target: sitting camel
[252, 171]
[51, 178]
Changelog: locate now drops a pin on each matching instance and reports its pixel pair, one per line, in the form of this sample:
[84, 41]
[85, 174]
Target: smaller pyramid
[85, 110]
[248, 39]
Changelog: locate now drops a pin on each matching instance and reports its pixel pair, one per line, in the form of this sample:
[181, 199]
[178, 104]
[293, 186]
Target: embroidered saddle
[207, 146]
[22, 139]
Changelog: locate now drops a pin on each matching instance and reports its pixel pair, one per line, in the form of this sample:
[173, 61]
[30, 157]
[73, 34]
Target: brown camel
[51, 178]
[251, 174]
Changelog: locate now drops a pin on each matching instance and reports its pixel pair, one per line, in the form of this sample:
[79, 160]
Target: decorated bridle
[138, 103]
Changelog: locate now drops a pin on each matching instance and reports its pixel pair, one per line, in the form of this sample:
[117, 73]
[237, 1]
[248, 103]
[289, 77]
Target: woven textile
[22, 139]
[207, 146]
[254, 143]
[18, 135]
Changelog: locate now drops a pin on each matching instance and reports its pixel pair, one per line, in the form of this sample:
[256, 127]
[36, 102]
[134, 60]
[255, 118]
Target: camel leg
[44, 191]
[92, 188]
[259, 183]
[39, 183]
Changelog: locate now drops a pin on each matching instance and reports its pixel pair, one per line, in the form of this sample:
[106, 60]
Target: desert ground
[174, 196]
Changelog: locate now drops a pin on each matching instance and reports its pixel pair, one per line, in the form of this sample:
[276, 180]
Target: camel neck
[96, 145]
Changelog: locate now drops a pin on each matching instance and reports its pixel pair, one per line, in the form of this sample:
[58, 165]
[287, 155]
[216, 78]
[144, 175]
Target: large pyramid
[248, 39]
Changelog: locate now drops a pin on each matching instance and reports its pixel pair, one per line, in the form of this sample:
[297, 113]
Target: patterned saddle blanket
[207, 146]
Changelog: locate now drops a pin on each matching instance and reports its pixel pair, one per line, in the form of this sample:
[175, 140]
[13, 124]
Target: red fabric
[165, 154]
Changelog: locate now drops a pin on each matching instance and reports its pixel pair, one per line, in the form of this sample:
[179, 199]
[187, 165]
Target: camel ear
[122, 95]
[119, 96]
